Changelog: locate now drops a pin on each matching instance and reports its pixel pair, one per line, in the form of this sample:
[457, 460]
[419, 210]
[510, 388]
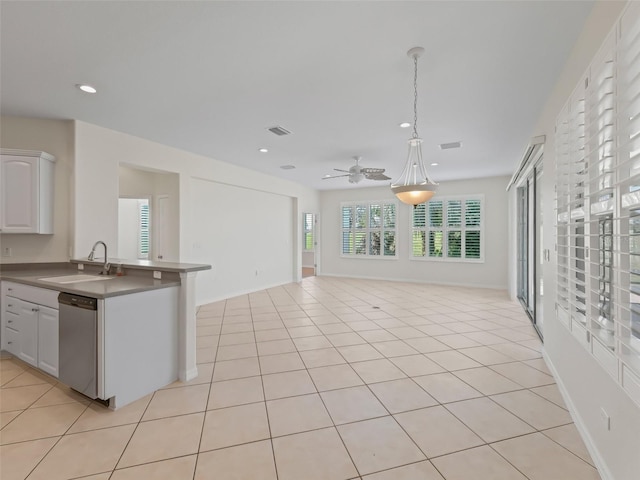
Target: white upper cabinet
[26, 192]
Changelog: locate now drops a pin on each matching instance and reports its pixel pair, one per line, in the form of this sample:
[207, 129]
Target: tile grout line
[264, 396]
[213, 371]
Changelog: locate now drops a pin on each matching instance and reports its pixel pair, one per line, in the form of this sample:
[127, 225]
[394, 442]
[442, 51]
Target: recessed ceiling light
[435, 164]
[327, 175]
[405, 125]
[263, 150]
[87, 88]
[288, 167]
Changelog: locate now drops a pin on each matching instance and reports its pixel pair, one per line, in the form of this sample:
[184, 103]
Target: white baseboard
[242, 292]
[413, 280]
[189, 374]
[603, 470]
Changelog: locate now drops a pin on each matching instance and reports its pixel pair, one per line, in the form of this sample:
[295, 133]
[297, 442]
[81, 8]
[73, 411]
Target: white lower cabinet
[28, 318]
[48, 340]
[12, 339]
[29, 329]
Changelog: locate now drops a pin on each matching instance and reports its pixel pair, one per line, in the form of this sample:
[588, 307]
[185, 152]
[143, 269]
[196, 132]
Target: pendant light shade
[414, 185]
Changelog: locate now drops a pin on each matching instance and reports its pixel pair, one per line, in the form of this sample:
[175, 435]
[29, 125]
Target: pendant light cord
[415, 96]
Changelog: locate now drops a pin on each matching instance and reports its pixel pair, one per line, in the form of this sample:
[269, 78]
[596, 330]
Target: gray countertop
[111, 287]
[138, 276]
[148, 265]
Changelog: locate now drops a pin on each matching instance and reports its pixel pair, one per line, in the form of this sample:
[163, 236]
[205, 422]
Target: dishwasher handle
[79, 301]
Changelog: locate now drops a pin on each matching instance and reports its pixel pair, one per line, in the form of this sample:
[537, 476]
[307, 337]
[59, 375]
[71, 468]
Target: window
[598, 207]
[369, 229]
[307, 231]
[448, 228]
[143, 229]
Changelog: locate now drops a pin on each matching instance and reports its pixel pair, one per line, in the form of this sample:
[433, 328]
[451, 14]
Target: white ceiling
[210, 77]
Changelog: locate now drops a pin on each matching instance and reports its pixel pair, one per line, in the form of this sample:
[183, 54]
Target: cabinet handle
[35, 309]
[10, 289]
[9, 321]
[9, 304]
[9, 343]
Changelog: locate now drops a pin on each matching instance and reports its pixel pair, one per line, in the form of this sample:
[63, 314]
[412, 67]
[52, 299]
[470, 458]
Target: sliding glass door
[530, 253]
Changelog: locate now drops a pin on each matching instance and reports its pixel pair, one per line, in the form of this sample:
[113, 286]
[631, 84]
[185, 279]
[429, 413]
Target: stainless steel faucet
[106, 266]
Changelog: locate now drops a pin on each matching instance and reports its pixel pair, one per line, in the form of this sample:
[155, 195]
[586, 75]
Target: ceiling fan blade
[340, 170]
[376, 176]
[372, 170]
[336, 176]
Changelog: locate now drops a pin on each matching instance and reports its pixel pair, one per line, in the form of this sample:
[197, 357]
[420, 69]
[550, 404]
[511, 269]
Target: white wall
[99, 151]
[127, 228]
[490, 274]
[245, 234]
[54, 137]
[167, 185]
[135, 183]
[589, 388]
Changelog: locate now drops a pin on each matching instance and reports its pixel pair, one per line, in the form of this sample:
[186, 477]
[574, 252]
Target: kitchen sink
[75, 278]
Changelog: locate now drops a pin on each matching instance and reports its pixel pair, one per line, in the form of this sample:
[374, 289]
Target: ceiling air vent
[447, 146]
[278, 130]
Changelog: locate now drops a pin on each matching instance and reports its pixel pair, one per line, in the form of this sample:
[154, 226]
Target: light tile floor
[327, 379]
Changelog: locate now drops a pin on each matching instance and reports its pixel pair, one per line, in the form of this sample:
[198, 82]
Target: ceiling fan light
[356, 177]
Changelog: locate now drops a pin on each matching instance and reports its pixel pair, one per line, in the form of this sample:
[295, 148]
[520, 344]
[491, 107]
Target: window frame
[367, 230]
[446, 229]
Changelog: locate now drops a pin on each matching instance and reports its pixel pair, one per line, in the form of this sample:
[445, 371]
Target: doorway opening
[148, 215]
[309, 244]
[134, 228]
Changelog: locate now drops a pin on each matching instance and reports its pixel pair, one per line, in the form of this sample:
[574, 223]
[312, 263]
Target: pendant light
[414, 185]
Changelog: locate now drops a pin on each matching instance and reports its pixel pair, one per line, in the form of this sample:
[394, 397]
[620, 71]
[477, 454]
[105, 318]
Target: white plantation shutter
[369, 229]
[576, 220]
[571, 228]
[448, 228]
[435, 239]
[308, 232]
[628, 180]
[598, 207]
[472, 219]
[563, 169]
[600, 133]
[418, 237]
[389, 226]
[347, 230]
[454, 235]
[143, 229]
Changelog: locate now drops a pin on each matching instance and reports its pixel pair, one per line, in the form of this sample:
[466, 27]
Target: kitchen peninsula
[144, 316]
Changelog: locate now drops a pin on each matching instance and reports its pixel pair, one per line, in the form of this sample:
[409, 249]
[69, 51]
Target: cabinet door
[12, 339]
[29, 332]
[19, 208]
[48, 340]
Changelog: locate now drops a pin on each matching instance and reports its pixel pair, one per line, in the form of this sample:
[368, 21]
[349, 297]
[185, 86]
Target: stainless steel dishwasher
[78, 352]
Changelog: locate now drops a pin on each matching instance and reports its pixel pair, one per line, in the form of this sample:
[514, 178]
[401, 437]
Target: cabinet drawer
[12, 305]
[12, 342]
[41, 296]
[12, 321]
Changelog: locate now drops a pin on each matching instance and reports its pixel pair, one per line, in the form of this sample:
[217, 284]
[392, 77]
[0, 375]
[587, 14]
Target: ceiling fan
[356, 173]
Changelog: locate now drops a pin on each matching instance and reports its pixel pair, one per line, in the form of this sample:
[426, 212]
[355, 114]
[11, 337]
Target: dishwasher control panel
[79, 301]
